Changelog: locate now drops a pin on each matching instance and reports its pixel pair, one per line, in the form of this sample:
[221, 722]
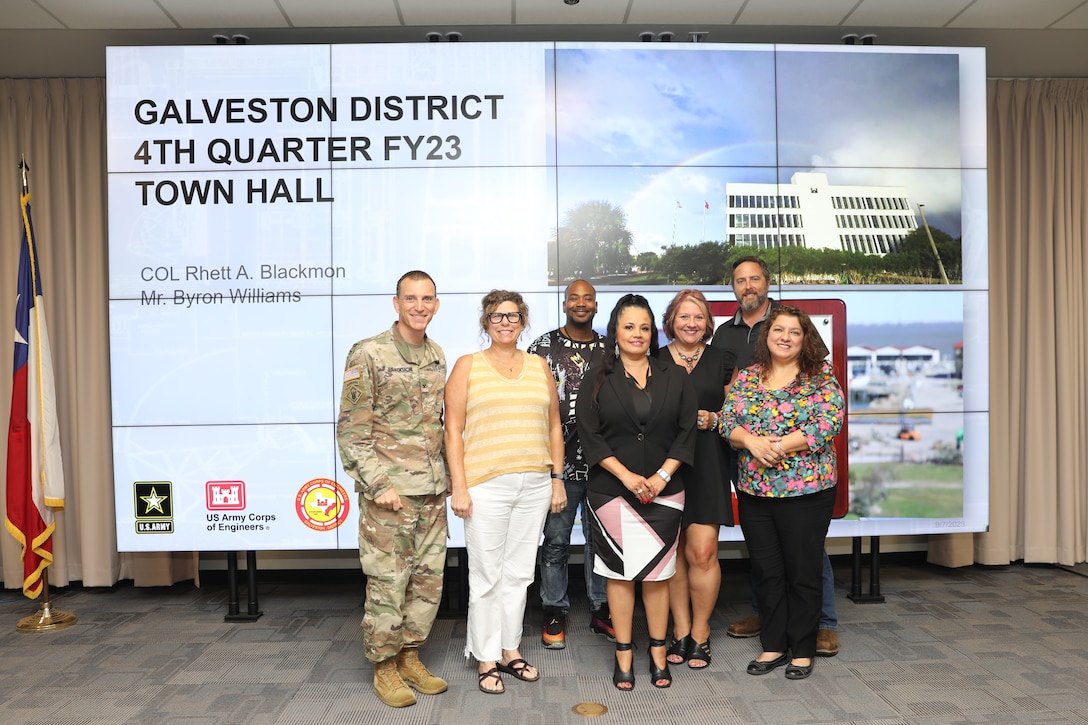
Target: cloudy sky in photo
[659, 132]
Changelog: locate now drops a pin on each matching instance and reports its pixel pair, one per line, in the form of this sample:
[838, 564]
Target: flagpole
[674, 223]
[46, 619]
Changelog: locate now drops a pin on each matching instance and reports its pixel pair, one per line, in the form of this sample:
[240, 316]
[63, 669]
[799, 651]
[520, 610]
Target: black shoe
[555, 629]
[699, 651]
[755, 667]
[620, 677]
[600, 621]
[798, 672]
[680, 649]
[656, 674]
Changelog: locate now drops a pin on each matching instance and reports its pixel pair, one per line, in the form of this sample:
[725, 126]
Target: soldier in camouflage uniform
[390, 437]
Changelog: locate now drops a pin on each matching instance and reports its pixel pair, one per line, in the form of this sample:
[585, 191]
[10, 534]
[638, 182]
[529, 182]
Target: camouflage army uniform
[390, 436]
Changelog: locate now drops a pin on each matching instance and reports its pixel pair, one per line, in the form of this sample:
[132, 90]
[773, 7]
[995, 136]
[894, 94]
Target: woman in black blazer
[636, 427]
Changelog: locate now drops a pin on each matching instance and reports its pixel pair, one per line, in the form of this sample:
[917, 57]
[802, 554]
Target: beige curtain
[1038, 161]
[59, 125]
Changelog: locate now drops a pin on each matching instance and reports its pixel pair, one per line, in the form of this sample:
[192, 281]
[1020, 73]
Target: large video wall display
[265, 199]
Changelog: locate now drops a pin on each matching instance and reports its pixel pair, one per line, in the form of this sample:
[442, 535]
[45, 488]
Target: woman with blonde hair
[708, 506]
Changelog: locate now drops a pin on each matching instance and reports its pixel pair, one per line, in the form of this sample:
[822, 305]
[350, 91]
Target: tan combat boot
[389, 687]
[416, 674]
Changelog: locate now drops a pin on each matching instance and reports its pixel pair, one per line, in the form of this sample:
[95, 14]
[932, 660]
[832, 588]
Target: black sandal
[620, 677]
[681, 649]
[700, 651]
[658, 674]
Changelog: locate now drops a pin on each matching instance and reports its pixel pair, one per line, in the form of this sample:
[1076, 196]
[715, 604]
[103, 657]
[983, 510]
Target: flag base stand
[46, 620]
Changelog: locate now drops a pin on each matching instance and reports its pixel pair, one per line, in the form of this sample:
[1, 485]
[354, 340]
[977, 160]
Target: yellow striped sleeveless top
[506, 420]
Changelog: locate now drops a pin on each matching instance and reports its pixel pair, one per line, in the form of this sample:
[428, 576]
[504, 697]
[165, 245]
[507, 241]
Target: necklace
[689, 362]
[566, 333]
[640, 382]
[507, 365]
[778, 378]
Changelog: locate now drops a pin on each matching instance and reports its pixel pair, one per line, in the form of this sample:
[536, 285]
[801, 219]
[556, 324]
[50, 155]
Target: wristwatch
[559, 476]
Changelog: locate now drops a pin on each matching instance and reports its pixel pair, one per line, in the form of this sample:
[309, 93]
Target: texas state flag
[35, 473]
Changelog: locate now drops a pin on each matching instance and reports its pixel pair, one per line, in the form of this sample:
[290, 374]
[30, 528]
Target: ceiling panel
[106, 14]
[723, 12]
[795, 12]
[683, 14]
[24, 14]
[1076, 20]
[457, 12]
[913, 14]
[337, 13]
[62, 38]
[1014, 13]
[225, 13]
[556, 12]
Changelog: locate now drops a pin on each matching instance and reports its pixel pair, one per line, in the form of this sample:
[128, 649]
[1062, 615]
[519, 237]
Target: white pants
[501, 538]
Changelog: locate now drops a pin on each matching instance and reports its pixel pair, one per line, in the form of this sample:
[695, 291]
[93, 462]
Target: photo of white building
[809, 212]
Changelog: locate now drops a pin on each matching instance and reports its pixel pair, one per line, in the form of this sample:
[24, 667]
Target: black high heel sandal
[680, 648]
[620, 677]
[658, 674]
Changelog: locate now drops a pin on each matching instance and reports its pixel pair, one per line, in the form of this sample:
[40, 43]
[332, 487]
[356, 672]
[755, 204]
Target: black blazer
[608, 426]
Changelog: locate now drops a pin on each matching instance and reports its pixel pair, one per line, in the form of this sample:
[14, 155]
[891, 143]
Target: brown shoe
[747, 627]
[416, 675]
[389, 687]
[827, 643]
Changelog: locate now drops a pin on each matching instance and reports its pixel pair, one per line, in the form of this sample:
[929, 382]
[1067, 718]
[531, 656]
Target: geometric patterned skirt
[635, 541]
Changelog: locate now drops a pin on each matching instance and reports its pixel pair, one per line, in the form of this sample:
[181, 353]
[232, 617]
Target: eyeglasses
[496, 317]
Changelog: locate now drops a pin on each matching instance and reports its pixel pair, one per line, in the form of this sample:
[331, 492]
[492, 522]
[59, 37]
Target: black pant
[785, 538]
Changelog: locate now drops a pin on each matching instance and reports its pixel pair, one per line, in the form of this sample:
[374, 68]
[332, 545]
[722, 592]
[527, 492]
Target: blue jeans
[555, 552]
[829, 617]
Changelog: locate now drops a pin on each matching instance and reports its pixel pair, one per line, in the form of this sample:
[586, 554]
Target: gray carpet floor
[979, 644]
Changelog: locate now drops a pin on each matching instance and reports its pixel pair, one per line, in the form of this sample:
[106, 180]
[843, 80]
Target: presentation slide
[263, 201]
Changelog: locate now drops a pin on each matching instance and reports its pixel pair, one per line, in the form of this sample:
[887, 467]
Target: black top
[708, 499]
[610, 425]
[738, 341]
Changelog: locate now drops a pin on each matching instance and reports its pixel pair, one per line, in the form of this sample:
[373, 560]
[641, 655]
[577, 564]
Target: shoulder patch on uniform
[352, 394]
[352, 373]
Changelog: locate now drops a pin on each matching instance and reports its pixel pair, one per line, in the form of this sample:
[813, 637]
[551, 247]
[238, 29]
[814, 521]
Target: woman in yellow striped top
[504, 444]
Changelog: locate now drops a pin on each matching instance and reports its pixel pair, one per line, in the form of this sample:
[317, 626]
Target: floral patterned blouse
[811, 404]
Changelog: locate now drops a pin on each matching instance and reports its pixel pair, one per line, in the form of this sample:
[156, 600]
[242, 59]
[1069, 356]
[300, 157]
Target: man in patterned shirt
[570, 351]
[389, 434]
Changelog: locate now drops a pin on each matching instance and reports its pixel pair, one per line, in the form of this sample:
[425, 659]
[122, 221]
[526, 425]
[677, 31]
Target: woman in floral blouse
[782, 415]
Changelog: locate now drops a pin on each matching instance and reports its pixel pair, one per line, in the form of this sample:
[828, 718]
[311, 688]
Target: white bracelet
[664, 475]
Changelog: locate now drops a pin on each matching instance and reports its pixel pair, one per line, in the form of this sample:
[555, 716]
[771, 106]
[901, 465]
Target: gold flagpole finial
[24, 168]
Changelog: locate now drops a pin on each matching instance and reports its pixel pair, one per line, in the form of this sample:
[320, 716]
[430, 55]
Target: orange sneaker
[555, 630]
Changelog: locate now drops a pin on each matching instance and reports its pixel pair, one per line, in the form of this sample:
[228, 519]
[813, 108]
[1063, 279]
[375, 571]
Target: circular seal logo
[322, 504]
